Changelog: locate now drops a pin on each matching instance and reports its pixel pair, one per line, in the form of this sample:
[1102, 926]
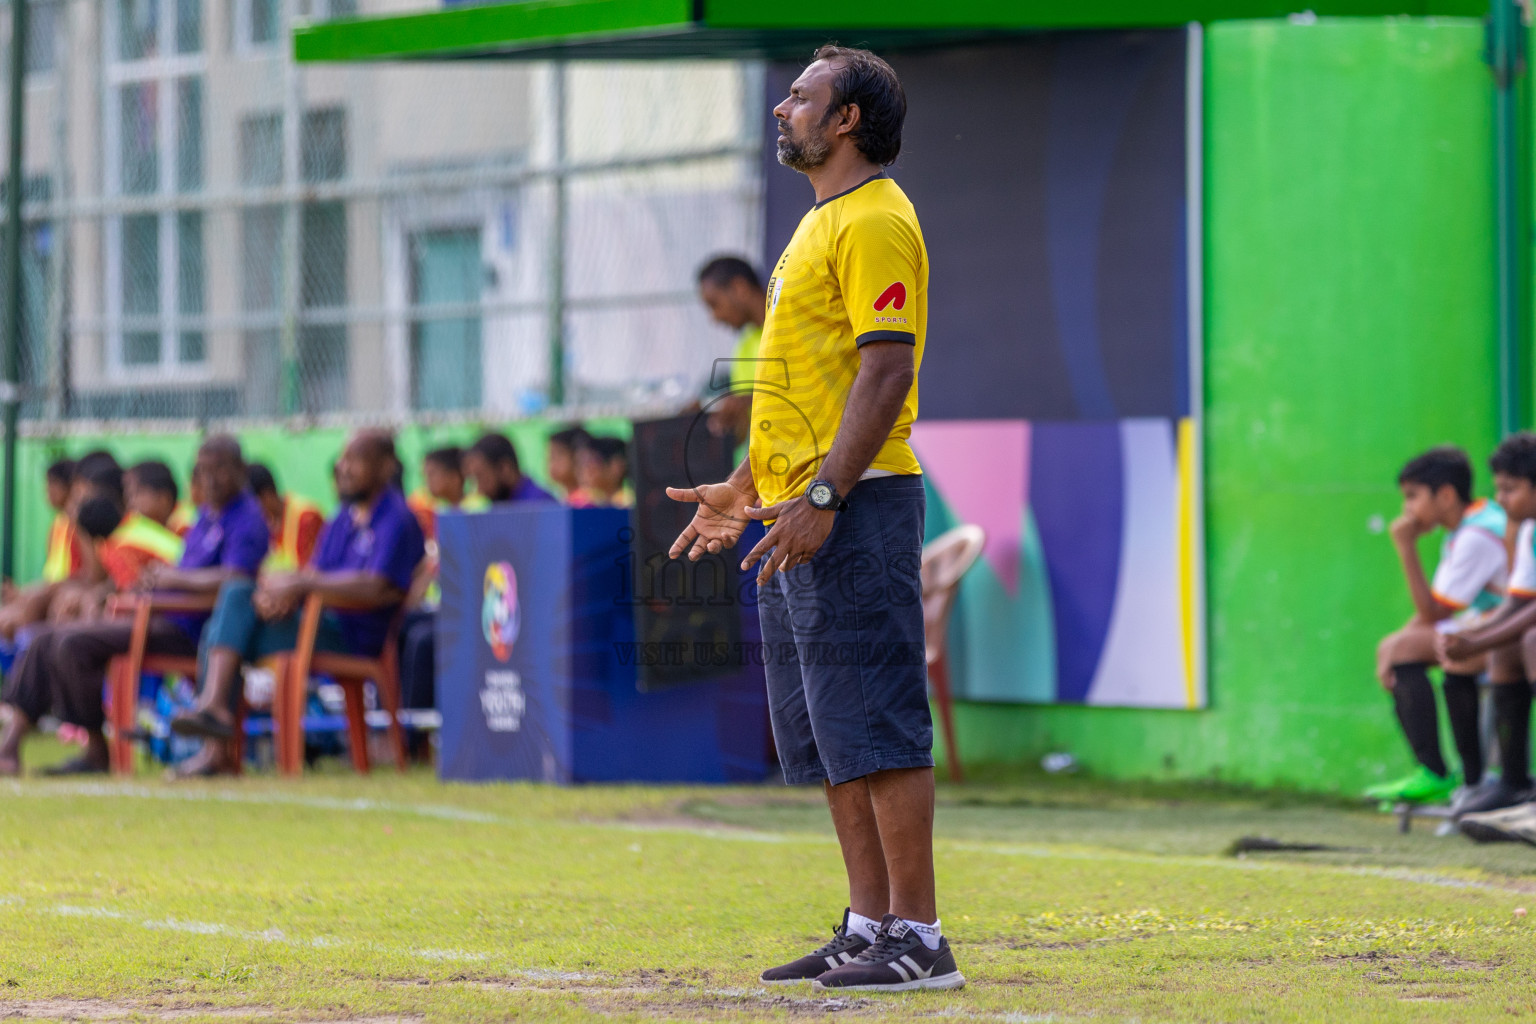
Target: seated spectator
[1468, 584]
[442, 470]
[151, 491]
[602, 468]
[95, 473]
[62, 558]
[492, 463]
[1507, 637]
[64, 666]
[564, 446]
[366, 558]
[126, 545]
[185, 516]
[294, 522]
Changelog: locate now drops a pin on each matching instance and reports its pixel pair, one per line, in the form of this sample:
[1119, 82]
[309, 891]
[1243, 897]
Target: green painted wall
[1349, 323]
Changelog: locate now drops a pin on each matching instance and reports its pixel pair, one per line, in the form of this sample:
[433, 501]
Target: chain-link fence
[216, 233]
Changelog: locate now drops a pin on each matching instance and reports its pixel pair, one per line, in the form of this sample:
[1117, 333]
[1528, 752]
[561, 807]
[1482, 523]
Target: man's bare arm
[1405, 537]
[1515, 619]
[196, 581]
[879, 391]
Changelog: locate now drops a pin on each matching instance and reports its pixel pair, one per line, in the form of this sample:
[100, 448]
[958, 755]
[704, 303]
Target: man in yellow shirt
[839, 592]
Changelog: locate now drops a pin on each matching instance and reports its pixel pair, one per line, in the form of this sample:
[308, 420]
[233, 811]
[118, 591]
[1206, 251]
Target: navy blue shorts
[847, 677]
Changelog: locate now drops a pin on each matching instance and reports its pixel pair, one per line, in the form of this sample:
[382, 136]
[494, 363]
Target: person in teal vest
[1470, 581]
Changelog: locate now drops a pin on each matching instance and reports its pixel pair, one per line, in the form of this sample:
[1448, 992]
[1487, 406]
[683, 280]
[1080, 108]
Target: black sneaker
[897, 962]
[1491, 797]
[841, 950]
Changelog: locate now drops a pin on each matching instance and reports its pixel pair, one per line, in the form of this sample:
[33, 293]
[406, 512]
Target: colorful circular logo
[500, 615]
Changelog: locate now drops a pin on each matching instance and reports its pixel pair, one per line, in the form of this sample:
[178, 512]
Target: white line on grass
[363, 805]
[446, 812]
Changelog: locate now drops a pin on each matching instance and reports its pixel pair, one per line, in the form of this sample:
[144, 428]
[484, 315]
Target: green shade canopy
[641, 29]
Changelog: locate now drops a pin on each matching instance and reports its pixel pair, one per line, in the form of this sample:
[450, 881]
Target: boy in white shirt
[1468, 584]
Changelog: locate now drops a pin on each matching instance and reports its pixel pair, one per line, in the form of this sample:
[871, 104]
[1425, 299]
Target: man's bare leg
[903, 808]
[219, 680]
[858, 833]
[17, 725]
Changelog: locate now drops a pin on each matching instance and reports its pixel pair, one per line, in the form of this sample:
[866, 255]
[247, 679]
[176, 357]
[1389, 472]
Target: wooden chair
[946, 560]
[350, 672]
[125, 671]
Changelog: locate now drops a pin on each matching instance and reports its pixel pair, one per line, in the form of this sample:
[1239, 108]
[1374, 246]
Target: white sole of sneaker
[952, 980]
[784, 981]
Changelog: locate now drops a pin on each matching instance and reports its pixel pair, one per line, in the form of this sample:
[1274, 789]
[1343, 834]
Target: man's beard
[806, 155]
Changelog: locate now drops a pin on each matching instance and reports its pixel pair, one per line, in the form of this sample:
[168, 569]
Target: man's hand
[280, 594]
[798, 532]
[1406, 531]
[271, 608]
[718, 523]
[1455, 647]
[150, 577]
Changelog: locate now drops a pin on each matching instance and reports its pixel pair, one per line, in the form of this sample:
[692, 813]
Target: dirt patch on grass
[730, 1001]
[106, 1010]
[657, 993]
[1440, 958]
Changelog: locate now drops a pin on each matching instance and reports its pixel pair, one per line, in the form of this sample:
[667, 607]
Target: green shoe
[1422, 786]
[1388, 793]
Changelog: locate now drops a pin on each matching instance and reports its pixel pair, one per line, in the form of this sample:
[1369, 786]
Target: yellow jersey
[856, 271]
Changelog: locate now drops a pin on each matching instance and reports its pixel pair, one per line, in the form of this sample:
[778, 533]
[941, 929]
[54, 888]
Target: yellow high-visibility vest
[284, 555]
[144, 533]
[61, 536]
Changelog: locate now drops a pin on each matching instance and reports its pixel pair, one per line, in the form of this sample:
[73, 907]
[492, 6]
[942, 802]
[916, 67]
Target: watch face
[821, 495]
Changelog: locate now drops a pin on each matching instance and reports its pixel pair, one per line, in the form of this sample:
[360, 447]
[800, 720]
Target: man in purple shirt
[365, 559]
[492, 462]
[65, 664]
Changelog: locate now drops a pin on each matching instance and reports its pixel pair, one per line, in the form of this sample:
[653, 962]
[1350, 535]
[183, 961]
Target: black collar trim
[845, 192]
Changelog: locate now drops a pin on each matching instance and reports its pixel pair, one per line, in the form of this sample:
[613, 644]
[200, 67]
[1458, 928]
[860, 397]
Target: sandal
[201, 723]
[75, 766]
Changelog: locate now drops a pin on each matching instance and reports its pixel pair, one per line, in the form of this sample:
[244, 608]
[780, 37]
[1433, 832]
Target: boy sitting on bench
[1468, 584]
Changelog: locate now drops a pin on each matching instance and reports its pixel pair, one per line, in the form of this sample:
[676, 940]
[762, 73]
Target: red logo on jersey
[895, 295]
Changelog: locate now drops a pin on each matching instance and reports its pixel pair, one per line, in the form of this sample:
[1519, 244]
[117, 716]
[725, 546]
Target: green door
[445, 351]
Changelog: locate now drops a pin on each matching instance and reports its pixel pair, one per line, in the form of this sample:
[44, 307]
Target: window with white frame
[156, 290]
[257, 25]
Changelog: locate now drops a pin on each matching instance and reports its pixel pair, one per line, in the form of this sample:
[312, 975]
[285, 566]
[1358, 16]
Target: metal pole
[557, 240]
[11, 396]
[1506, 56]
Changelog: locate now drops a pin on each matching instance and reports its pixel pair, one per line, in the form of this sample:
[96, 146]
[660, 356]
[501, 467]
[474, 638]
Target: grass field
[399, 898]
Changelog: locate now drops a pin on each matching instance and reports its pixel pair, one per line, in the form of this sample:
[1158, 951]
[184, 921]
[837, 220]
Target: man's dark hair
[1516, 456]
[62, 471]
[610, 448]
[861, 78]
[722, 270]
[154, 475]
[572, 437]
[91, 462]
[496, 449]
[260, 479]
[99, 515]
[450, 458]
[105, 478]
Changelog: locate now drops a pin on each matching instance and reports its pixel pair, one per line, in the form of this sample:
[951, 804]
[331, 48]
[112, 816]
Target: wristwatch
[824, 496]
